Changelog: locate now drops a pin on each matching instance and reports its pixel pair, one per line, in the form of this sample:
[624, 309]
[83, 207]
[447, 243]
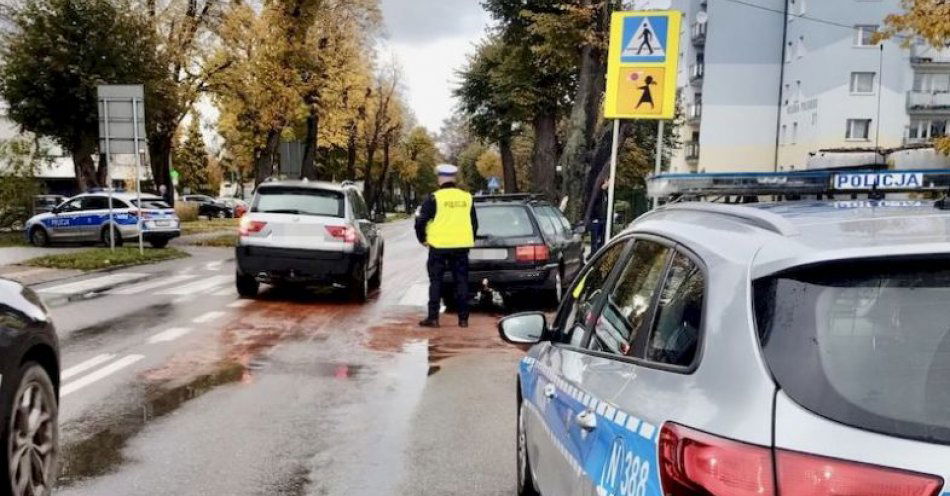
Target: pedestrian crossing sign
[642, 66]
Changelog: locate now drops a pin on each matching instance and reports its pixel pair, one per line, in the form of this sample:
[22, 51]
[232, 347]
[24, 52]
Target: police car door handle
[550, 391]
[587, 420]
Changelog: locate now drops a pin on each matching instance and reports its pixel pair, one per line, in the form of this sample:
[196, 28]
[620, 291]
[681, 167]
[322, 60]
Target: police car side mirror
[523, 328]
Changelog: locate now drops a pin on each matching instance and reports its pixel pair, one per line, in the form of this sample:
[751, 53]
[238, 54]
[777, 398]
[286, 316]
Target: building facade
[767, 84]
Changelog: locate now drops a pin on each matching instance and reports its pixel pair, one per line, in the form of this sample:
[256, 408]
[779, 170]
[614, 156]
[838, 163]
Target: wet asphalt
[175, 386]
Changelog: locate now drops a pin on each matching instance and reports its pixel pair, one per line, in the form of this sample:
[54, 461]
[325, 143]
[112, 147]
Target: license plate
[163, 223]
[488, 254]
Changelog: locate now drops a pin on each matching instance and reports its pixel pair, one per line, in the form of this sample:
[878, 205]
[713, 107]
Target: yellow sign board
[642, 65]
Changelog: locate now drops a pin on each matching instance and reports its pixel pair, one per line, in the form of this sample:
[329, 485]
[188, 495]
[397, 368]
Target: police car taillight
[532, 253]
[248, 227]
[802, 474]
[694, 463]
[347, 234]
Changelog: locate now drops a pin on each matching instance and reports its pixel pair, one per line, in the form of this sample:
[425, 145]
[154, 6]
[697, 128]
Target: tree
[489, 164]
[415, 166]
[21, 158]
[50, 82]
[191, 161]
[926, 19]
[469, 176]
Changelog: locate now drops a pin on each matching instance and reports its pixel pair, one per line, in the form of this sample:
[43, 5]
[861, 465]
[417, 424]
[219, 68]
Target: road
[172, 385]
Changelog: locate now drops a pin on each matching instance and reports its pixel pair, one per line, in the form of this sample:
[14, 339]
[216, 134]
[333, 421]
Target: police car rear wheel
[525, 478]
[39, 237]
[107, 241]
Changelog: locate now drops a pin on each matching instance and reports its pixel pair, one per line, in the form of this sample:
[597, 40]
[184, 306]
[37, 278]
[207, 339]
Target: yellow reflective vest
[452, 226]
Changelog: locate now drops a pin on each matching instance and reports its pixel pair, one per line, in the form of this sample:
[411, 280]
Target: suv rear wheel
[377, 280]
[359, 285]
[247, 286]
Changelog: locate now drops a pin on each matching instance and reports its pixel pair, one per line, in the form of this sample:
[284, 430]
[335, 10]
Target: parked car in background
[209, 207]
[46, 203]
[85, 218]
[238, 207]
[29, 395]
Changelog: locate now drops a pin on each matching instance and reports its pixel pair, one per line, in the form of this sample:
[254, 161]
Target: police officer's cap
[446, 170]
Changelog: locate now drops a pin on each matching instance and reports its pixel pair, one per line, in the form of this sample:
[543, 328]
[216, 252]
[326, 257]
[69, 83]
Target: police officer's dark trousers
[457, 262]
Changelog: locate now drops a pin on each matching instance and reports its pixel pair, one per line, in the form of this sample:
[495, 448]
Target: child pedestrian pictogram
[647, 95]
[641, 91]
[644, 40]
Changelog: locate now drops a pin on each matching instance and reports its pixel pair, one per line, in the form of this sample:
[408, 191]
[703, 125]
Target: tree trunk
[264, 161]
[308, 168]
[377, 205]
[351, 157]
[508, 165]
[368, 189]
[544, 155]
[159, 153]
[85, 167]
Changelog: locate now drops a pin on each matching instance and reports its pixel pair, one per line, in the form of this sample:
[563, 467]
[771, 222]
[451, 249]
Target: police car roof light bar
[825, 182]
[508, 197]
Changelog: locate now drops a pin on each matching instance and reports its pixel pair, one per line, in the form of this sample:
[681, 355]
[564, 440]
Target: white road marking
[198, 286]
[214, 266]
[94, 283]
[240, 303]
[226, 291]
[100, 374]
[207, 317]
[24, 273]
[416, 296]
[169, 335]
[145, 286]
[84, 366]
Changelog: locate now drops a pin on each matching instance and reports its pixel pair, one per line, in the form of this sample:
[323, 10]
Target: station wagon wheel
[525, 478]
[105, 236]
[39, 237]
[32, 434]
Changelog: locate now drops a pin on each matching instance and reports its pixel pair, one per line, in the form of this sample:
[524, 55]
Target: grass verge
[223, 241]
[12, 238]
[103, 258]
[396, 216]
[210, 225]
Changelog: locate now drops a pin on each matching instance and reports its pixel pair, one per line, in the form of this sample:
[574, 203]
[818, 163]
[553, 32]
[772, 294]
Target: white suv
[309, 233]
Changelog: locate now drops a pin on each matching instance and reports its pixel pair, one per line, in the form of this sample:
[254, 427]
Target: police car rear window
[299, 201]
[863, 343]
[150, 203]
[504, 221]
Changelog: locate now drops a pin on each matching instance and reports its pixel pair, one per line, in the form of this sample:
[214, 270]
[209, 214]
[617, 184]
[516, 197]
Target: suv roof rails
[347, 182]
[749, 215]
[509, 197]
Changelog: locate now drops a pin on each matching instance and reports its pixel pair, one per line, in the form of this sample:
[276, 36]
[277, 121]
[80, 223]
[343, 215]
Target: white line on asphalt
[84, 366]
[239, 303]
[145, 286]
[100, 374]
[226, 291]
[94, 283]
[195, 287]
[24, 273]
[416, 296]
[208, 317]
[169, 335]
[214, 266]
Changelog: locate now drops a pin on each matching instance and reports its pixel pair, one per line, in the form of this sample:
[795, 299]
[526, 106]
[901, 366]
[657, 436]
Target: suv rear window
[299, 201]
[863, 343]
[504, 221]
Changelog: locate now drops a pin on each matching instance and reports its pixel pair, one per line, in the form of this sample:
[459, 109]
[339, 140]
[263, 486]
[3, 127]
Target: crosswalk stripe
[100, 374]
[169, 335]
[84, 366]
[87, 285]
[226, 291]
[207, 317]
[145, 286]
[416, 296]
[198, 286]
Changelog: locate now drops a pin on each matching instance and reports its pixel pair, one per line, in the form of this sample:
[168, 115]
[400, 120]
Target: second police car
[792, 348]
[86, 218]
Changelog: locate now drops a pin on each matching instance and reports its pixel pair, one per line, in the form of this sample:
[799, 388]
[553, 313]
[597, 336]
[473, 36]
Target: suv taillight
[532, 253]
[248, 226]
[694, 463]
[802, 474]
[347, 234]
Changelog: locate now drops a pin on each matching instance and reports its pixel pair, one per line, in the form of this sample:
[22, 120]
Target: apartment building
[767, 84]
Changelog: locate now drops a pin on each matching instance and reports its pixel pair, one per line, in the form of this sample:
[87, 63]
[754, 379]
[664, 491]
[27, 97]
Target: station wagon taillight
[693, 463]
[347, 234]
[248, 227]
[803, 474]
[532, 253]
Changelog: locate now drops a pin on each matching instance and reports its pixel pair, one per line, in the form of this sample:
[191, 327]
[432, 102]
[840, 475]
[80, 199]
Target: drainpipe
[781, 82]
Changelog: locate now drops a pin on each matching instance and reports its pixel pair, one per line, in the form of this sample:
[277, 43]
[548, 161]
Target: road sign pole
[138, 173]
[609, 221]
[105, 111]
[657, 168]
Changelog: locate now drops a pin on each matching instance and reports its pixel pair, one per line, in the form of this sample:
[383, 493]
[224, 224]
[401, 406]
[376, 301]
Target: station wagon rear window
[504, 221]
[299, 201]
[863, 343]
[153, 203]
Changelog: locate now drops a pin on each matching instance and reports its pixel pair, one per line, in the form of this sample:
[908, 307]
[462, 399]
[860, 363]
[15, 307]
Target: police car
[785, 348]
[85, 218]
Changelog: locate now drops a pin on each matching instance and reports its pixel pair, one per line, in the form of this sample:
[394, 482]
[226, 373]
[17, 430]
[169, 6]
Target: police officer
[447, 225]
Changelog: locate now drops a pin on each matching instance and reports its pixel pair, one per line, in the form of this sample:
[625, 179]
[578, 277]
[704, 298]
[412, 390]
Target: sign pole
[657, 168]
[609, 221]
[105, 112]
[138, 172]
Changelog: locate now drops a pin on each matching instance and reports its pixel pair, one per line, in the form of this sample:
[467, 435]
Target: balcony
[926, 56]
[696, 72]
[916, 141]
[692, 151]
[926, 101]
[698, 33]
[694, 113]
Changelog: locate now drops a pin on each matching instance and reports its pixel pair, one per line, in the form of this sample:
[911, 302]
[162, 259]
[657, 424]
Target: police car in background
[85, 218]
[797, 348]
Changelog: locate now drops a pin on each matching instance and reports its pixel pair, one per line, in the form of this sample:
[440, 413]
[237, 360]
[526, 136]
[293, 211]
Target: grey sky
[430, 39]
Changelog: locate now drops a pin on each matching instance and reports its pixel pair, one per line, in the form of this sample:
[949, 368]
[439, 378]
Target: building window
[863, 34]
[932, 82]
[862, 83]
[858, 129]
[794, 133]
